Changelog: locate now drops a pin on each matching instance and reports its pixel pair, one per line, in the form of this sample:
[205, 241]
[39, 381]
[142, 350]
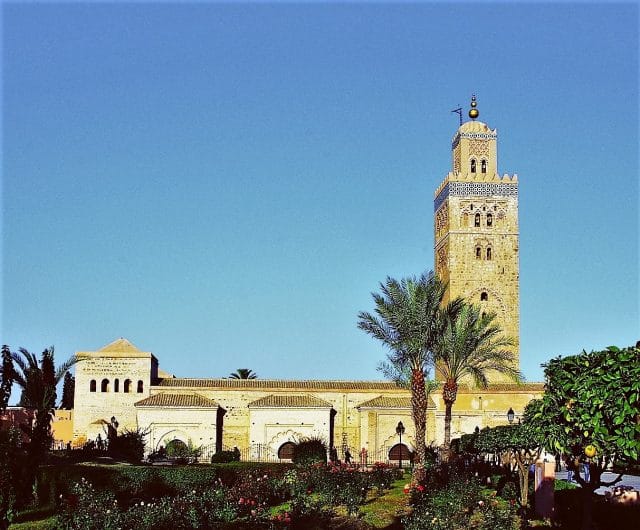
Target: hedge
[130, 483]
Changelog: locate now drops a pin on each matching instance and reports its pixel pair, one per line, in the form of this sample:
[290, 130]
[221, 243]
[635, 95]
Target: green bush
[128, 446]
[223, 457]
[310, 451]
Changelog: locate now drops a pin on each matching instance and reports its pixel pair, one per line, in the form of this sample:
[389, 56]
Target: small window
[116, 385]
[478, 252]
[483, 166]
[92, 385]
[473, 165]
[127, 386]
[104, 386]
[484, 297]
[477, 220]
[140, 387]
[489, 253]
[489, 219]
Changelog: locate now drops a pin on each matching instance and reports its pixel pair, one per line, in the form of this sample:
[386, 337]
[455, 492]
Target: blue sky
[226, 184]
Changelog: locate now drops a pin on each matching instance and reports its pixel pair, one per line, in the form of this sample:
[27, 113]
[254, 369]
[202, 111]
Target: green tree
[593, 399]
[68, 391]
[406, 323]
[243, 373]
[469, 344]
[38, 382]
[6, 378]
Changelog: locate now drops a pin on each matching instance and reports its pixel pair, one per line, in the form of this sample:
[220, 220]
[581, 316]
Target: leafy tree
[406, 323]
[7, 378]
[593, 399]
[520, 443]
[38, 382]
[68, 391]
[243, 373]
[469, 344]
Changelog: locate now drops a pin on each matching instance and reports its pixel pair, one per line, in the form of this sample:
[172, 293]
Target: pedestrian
[347, 456]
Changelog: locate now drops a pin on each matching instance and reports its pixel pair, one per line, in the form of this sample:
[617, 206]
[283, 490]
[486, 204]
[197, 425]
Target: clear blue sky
[225, 185]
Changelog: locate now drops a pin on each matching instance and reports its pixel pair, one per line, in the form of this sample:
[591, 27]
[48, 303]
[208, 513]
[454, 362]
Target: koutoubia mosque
[476, 252]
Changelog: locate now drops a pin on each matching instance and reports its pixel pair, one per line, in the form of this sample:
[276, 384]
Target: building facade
[476, 252]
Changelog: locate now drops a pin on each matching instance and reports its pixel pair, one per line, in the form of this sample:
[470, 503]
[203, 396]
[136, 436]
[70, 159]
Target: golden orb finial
[473, 112]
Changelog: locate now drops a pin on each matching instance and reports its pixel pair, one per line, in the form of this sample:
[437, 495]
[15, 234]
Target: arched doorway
[176, 448]
[400, 450]
[286, 451]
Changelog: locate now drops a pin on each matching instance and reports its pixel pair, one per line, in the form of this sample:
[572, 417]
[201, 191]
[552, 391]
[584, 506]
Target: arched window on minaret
[484, 297]
[483, 166]
[477, 220]
[116, 385]
[92, 385]
[478, 252]
[489, 253]
[140, 387]
[473, 165]
[489, 219]
[127, 386]
[104, 387]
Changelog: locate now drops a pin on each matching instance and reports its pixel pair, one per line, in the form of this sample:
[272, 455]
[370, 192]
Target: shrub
[309, 451]
[223, 457]
[128, 446]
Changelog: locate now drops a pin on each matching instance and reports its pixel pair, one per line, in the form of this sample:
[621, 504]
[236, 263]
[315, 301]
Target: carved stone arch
[174, 434]
[407, 440]
[284, 436]
[494, 298]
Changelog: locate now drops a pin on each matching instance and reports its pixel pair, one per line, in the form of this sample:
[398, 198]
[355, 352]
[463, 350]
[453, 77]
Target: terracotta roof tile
[177, 400]
[181, 382]
[288, 401]
[383, 402]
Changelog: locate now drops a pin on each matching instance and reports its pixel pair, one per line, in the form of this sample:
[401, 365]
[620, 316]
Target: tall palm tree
[243, 373]
[470, 344]
[38, 381]
[406, 323]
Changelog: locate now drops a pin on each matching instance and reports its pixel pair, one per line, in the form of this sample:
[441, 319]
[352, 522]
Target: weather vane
[458, 111]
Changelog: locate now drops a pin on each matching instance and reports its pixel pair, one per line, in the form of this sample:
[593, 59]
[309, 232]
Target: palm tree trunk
[449, 395]
[419, 406]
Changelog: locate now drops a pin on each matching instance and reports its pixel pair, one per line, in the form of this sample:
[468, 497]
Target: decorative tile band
[472, 136]
[475, 189]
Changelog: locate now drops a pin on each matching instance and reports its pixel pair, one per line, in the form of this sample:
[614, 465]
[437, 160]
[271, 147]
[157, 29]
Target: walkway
[627, 480]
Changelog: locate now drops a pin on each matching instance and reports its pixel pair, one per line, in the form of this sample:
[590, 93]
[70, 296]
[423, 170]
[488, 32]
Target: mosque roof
[290, 401]
[120, 345]
[176, 400]
[384, 402]
[278, 384]
[118, 348]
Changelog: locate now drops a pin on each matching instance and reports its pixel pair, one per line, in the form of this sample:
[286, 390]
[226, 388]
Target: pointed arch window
[478, 253]
[92, 385]
[477, 220]
[116, 385]
[483, 166]
[140, 387]
[484, 297]
[473, 165]
[489, 253]
[489, 219]
[104, 386]
[127, 386]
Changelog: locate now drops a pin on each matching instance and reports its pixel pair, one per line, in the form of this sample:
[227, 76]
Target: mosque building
[476, 252]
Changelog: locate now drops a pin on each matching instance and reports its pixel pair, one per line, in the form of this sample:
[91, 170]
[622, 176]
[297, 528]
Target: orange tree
[592, 407]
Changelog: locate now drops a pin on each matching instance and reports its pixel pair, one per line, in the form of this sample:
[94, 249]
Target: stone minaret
[476, 228]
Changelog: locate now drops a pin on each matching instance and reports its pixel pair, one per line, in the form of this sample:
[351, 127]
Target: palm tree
[406, 323]
[243, 373]
[470, 344]
[38, 381]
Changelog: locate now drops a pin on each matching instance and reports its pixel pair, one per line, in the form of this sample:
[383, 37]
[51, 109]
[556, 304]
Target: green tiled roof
[288, 401]
[177, 400]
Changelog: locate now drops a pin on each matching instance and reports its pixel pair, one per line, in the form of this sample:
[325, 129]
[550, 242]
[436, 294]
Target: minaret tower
[476, 228]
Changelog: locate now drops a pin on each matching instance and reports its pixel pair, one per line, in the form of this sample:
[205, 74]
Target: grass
[385, 510]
